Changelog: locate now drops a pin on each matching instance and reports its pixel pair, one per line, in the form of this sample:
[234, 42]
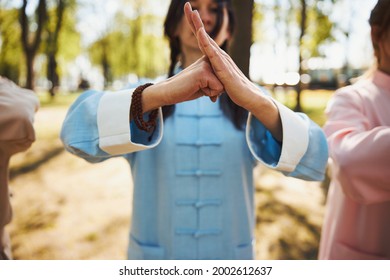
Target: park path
[66, 208]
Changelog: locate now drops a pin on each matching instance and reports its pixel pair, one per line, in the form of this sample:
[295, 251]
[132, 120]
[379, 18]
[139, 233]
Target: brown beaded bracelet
[137, 112]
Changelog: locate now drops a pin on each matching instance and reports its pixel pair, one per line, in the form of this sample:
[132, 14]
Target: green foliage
[62, 100]
[11, 54]
[69, 45]
[287, 15]
[152, 61]
[133, 47]
[258, 17]
[318, 31]
[68, 41]
[314, 102]
[12, 60]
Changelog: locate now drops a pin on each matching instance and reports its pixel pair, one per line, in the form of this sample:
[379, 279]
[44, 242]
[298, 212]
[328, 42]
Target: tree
[69, 40]
[53, 30]
[134, 47]
[99, 53]
[10, 47]
[31, 40]
[60, 39]
[302, 24]
[242, 38]
[346, 28]
[311, 36]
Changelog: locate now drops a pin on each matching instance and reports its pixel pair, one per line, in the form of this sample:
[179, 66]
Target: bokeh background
[66, 208]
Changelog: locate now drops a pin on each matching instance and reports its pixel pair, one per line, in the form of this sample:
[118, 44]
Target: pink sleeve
[17, 109]
[361, 153]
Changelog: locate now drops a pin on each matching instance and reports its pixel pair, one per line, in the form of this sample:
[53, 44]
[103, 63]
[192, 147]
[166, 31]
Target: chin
[190, 43]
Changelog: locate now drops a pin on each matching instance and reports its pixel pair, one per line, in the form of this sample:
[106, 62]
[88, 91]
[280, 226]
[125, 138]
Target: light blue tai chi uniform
[193, 181]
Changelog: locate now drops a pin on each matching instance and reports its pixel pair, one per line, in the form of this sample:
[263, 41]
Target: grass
[62, 99]
[313, 102]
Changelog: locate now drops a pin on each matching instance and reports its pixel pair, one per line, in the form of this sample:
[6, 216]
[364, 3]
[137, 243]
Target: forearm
[154, 97]
[195, 81]
[265, 110]
[363, 155]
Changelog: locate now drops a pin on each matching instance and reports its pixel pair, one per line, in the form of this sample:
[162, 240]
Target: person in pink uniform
[357, 218]
[17, 109]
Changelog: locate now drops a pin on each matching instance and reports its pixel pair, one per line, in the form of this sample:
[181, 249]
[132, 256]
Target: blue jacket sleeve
[79, 132]
[303, 152]
[98, 127]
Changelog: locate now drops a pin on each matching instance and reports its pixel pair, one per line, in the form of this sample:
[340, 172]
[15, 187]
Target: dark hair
[380, 17]
[175, 13]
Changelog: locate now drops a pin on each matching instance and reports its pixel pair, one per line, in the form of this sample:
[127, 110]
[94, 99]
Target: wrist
[265, 110]
[255, 100]
[153, 97]
[262, 105]
[137, 111]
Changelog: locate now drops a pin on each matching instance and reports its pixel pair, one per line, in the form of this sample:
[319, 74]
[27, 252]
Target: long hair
[175, 13]
[380, 17]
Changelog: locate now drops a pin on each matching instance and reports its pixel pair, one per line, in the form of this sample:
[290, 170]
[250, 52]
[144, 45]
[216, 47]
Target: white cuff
[113, 118]
[295, 139]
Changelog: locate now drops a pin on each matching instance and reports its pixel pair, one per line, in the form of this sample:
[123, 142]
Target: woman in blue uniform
[192, 142]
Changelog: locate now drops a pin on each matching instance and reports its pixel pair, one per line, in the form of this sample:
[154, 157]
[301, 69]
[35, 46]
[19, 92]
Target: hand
[234, 81]
[239, 88]
[195, 81]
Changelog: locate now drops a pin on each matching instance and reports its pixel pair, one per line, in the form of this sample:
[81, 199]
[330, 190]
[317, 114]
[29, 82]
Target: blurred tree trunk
[347, 33]
[136, 30]
[242, 37]
[52, 48]
[298, 106]
[31, 41]
[105, 63]
[100, 52]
